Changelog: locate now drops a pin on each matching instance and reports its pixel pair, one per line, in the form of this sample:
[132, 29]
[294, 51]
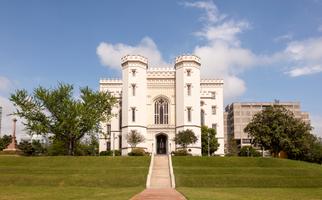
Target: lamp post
[208, 144]
[113, 144]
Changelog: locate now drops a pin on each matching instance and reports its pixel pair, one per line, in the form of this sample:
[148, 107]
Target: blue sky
[264, 50]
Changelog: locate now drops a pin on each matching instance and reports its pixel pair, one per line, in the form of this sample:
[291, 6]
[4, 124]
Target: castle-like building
[160, 102]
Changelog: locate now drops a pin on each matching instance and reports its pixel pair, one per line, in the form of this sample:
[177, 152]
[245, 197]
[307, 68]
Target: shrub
[137, 152]
[110, 153]
[249, 151]
[181, 152]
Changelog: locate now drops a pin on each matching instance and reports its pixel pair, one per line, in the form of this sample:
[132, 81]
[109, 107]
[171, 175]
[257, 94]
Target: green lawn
[247, 178]
[72, 177]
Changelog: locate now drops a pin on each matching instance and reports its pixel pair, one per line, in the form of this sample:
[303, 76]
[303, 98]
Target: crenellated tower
[188, 97]
[134, 92]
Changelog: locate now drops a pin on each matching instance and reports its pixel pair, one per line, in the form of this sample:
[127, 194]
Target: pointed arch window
[161, 108]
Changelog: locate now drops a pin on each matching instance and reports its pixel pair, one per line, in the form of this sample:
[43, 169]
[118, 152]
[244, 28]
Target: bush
[181, 152]
[137, 152]
[110, 153]
[249, 151]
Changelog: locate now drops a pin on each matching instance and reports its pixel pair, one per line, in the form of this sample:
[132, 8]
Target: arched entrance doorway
[162, 142]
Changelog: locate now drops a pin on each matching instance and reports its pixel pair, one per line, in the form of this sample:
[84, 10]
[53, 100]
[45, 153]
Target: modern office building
[238, 115]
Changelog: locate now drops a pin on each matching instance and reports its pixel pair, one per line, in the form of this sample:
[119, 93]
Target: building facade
[160, 102]
[238, 115]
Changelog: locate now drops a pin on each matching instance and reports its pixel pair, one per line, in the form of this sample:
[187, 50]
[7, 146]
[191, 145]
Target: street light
[208, 145]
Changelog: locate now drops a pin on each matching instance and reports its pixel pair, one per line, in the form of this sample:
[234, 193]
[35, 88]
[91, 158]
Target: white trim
[148, 180]
[173, 182]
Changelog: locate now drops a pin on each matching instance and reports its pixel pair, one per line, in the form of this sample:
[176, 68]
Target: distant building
[238, 115]
[160, 102]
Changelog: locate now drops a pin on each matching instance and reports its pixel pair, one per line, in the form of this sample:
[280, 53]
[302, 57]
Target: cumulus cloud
[211, 11]
[111, 54]
[306, 55]
[307, 70]
[222, 54]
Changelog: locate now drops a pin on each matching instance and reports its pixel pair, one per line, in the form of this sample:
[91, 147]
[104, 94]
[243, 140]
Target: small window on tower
[188, 72]
[133, 72]
[189, 114]
[133, 114]
[214, 110]
[133, 89]
[188, 89]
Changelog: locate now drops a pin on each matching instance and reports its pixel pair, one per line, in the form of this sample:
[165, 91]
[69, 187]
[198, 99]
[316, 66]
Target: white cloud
[111, 54]
[316, 122]
[211, 11]
[306, 55]
[222, 55]
[307, 70]
[286, 37]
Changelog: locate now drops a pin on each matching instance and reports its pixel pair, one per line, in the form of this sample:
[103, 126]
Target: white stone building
[160, 102]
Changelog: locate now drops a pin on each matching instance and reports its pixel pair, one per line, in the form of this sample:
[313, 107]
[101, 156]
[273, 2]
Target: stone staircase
[160, 177]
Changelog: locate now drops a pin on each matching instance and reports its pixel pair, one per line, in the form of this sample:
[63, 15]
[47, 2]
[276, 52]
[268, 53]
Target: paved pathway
[160, 172]
[159, 194]
[160, 183]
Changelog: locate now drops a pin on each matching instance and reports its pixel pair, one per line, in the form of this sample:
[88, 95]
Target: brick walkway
[159, 194]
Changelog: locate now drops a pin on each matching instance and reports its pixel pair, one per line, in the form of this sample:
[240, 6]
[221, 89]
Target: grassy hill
[247, 178]
[71, 177]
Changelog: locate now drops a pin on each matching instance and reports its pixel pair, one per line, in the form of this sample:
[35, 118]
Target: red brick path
[159, 194]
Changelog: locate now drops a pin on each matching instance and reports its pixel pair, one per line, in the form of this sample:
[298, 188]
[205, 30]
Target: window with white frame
[161, 111]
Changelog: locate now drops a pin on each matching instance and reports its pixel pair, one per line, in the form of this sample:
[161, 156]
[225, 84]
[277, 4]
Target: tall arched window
[202, 117]
[161, 111]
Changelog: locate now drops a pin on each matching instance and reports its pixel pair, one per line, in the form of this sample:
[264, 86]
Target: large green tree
[58, 113]
[208, 139]
[184, 138]
[276, 129]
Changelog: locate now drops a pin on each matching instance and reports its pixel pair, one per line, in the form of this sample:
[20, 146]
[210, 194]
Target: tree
[5, 141]
[232, 147]
[208, 135]
[184, 138]
[55, 112]
[134, 138]
[276, 129]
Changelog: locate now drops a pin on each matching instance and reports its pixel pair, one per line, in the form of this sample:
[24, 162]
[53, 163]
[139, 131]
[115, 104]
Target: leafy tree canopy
[186, 137]
[276, 129]
[208, 135]
[58, 113]
[134, 138]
